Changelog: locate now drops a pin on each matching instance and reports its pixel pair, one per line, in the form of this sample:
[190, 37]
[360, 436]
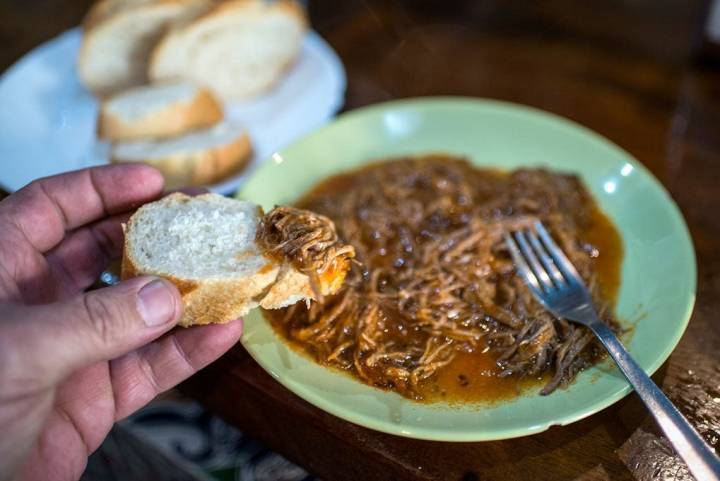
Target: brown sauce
[474, 376]
[475, 372]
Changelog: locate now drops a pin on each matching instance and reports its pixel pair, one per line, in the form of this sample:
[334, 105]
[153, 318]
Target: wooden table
[627, 69]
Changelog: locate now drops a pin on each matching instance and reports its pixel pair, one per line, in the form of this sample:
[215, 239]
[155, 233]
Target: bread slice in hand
[157, 111]
[238, 49]
[208, 247]
[120, 36]
[198, 158]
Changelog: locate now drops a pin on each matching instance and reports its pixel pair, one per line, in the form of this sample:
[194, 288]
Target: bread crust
[104, 9]
[202, 111]
[201, 168]
[204, 302]
[292, 7]
[97, 12]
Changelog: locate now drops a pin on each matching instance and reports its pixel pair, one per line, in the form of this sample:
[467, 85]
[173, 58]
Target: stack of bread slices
[162, 69]
[177, 127]
[235, 48]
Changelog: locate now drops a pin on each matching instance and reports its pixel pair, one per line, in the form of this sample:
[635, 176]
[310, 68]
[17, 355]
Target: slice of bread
[207, 247]
[120, 36]
[158, 111]
[238, 49]
[199, 158]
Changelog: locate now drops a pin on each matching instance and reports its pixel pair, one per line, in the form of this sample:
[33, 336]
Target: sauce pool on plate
[433, 309]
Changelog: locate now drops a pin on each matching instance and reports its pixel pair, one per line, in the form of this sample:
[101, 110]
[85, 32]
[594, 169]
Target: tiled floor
[179, 440]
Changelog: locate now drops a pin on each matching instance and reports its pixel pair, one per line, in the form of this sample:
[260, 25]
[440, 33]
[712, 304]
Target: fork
[556, 284]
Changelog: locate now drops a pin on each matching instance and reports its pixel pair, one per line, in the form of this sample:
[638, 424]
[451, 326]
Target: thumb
[56, 339]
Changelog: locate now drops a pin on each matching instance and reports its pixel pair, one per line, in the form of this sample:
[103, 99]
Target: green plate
[657, 291]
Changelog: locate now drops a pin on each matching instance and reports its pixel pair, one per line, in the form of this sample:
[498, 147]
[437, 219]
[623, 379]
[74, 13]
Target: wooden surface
[627, 69]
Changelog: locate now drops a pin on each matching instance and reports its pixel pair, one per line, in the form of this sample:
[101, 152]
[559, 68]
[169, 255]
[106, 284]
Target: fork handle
[692, 448]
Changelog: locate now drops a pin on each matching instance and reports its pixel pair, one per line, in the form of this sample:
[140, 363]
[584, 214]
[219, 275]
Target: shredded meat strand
[307, 239]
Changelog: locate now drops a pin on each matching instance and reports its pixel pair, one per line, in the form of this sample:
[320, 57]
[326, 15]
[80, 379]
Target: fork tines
[539, 260]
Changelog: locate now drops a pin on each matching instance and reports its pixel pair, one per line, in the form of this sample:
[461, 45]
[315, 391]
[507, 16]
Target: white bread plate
[48, 123]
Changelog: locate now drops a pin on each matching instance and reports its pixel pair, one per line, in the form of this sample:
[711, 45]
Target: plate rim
[434, 434]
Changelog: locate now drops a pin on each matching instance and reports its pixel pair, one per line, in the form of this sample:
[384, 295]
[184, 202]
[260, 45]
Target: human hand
[72, 363]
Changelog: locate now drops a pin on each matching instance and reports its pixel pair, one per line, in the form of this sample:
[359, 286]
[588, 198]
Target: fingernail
[156, 303]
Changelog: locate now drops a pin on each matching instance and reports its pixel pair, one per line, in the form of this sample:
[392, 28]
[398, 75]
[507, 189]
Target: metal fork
[556, 284]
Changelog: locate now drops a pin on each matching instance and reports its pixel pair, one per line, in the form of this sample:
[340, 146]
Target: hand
[72, 363]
